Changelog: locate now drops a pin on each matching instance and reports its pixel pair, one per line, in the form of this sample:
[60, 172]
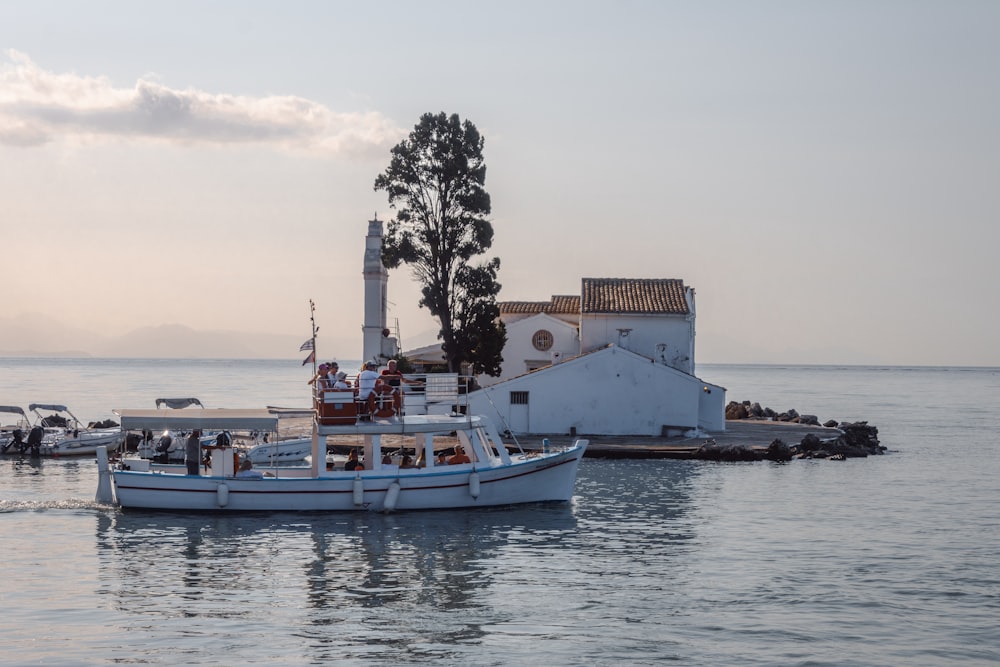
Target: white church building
[616, 360]
[619, 359]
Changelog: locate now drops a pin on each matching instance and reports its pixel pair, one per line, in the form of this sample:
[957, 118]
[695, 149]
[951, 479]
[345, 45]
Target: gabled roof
[543, 320]
[634, 295]
[565, 304]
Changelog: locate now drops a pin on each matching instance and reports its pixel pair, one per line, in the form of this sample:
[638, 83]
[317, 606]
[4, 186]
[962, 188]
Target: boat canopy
[178, 403]
[14, 409]
[48, 406]
[185, 420]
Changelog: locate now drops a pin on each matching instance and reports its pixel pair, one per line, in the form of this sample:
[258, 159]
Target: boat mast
[315, 330]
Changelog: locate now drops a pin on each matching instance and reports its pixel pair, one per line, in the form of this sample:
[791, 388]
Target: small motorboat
[64, 435]
[278, 452]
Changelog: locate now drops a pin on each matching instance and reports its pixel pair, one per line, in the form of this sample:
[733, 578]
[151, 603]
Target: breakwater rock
[753, 410]
[713, 451]
[858, 440]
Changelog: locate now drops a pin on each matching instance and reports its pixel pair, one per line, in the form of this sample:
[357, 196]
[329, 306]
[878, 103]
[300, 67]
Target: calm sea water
[890, 560]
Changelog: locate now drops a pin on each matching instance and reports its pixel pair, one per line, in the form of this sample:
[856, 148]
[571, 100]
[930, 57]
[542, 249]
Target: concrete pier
[748, 433]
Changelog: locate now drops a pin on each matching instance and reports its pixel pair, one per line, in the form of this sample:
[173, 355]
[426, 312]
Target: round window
[542, 340]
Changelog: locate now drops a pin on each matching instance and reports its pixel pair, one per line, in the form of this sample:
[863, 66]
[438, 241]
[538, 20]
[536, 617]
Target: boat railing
[417, 394]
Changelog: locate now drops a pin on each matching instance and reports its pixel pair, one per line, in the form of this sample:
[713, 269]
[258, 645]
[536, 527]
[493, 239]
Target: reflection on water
[333, 580]
[408, 586]
[23, 465]
[371, 559]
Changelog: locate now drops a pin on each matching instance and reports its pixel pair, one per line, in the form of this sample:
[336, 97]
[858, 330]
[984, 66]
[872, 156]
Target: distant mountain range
[38, 335]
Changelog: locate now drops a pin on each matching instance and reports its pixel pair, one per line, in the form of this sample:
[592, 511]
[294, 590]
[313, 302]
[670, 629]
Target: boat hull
[85, 444]
[528, 479]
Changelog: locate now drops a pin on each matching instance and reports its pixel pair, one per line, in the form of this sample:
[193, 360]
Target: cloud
[38, 107]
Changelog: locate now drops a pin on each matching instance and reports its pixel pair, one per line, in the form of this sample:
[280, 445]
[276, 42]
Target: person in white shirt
[246, 470]
[366, 385]
[341, 382]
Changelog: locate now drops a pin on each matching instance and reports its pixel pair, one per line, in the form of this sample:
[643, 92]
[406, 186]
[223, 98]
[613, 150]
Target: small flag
[308, 345]
[310, 358]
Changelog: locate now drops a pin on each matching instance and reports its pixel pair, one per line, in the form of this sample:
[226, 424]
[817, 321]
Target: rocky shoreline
[855, 439]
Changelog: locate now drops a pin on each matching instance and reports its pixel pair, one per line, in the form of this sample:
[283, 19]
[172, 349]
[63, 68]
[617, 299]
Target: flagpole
[315, 329]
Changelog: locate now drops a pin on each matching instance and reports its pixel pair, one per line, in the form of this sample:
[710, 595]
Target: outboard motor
[163, 449]
[34, 445]
[16, 441]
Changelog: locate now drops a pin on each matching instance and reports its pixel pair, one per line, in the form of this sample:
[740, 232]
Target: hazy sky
[824, 174]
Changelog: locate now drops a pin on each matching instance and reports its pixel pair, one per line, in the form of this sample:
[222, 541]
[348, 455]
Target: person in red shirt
[393, 377]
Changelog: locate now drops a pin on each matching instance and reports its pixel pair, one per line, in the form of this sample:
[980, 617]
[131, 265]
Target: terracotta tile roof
[634, 295]
[558, 304]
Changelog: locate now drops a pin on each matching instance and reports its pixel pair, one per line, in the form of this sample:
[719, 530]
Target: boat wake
[11, 506]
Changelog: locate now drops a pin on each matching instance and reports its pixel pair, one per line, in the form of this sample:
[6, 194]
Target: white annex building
[616, 360]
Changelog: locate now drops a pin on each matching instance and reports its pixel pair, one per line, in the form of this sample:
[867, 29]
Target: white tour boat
[493, 476]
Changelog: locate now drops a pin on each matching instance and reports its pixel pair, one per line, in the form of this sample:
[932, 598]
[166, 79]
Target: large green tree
[435, 182]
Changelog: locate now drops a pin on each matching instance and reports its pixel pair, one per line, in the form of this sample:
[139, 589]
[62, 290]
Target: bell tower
[377, 344]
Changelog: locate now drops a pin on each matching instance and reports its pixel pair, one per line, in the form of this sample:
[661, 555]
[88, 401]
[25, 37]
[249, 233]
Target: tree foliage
[435, 182]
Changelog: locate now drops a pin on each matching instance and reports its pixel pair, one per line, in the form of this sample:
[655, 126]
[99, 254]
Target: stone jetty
[753, 433]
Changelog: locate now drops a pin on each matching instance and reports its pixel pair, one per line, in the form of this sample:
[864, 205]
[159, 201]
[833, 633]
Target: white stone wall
[712, 408]
[675, 333]
[609, 392]
[519, 349]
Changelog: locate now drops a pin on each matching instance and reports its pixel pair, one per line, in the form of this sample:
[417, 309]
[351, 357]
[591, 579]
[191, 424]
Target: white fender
[222, 495]
[391, 496]
[359, 491]
[474, 484]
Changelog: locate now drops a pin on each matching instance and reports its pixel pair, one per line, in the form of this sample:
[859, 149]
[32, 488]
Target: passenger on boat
[246, 470]
[332, 369]
[341, 381]
[386, 460]
[324, 380]
[192, 452]
[407, 462]
[324, 377]
[366, 386]
[393, 377]
[442, 460]
[352, 461]
[459, 456]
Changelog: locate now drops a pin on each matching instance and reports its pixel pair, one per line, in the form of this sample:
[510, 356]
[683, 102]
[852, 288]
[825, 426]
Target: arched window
[542, 340]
